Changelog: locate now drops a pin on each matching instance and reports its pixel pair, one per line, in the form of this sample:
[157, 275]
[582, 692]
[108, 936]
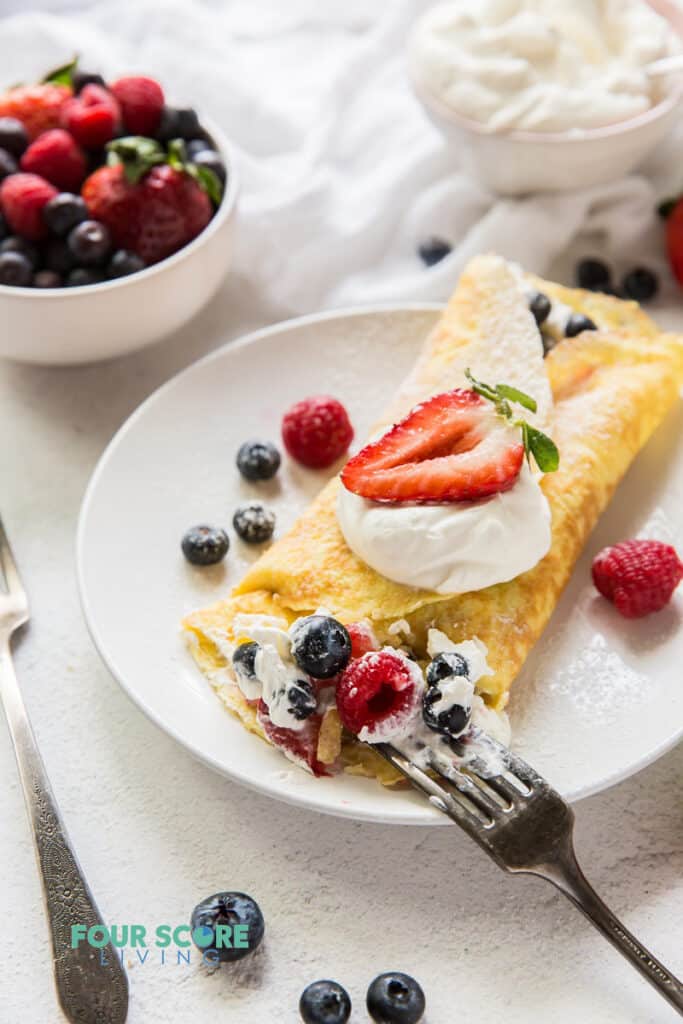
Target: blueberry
[540, 306]
[80, 276]
[57, 256]
[211, 159]
[325, 1002]
[123, 263]
[63, 212]
[395, 998]
[593, 274]
[302, 699]
[178, 123]
[321, 646]
[13, 136]
[448, 663]
[90, 242]
[254, 523]
[25, 248]
[47, 279]
[576, 323]
[227, 909]
[433, 250]
[244, 659]
[205, 545]
[640, 284]
[4, 230]
[258, 460]
[8, 165]
[80, 79]
[195, 146]
[452, 721]
[15, 270]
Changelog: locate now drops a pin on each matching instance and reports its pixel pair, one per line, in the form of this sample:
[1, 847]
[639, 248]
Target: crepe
[601, 395]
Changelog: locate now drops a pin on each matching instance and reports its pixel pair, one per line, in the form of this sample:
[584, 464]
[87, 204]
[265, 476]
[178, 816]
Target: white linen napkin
[342, 174]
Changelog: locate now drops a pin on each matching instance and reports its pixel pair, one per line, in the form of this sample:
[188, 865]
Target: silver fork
[527, 828]
[91, 983]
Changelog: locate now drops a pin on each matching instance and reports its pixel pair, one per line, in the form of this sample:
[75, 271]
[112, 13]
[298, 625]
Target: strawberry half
[300, 745]
[453, 447]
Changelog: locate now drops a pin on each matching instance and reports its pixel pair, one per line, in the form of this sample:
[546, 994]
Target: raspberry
[93, 117]
[378, 694]
[22, 198]
[637, 576]
[38, 107]
[56, 156]
[141, 100]
[362, 638]
[316, 431]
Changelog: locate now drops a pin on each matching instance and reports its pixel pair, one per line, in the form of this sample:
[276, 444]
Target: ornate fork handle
[91, 983]
[568, 877]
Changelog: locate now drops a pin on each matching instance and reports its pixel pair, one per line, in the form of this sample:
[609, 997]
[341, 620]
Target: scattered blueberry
[228, 909]
[433, 250]
[395, 998]
[593, 274]
[640, 284]
[576, 323]
[84, 275]
[178, 123]
[540, 306]
[452, 721]
[448, 663]
[321, 646]
[64, 212]
[58, 256]
[80, 79]
[258, 460]
[195, 146]
[47, 279]
[325, 1002]
[15, 270]
[13, 136]
[123, 263]
[21, 245]
[254, 523]
[205, 545]
[209, 158]
[302, 699]
[90, 242]
[8, 165]
[244, 659]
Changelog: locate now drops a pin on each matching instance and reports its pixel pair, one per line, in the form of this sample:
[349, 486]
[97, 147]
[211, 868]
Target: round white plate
[599, 698]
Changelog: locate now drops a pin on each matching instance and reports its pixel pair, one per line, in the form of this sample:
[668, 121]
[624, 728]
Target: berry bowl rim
[223, 212]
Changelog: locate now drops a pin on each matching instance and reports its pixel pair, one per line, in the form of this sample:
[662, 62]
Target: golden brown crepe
[611, 388]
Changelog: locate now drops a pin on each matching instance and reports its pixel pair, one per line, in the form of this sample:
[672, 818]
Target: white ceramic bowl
[61, 326]
[518, 162]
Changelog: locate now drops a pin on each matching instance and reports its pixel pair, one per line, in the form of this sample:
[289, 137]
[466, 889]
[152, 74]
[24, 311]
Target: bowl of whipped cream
[538, 95]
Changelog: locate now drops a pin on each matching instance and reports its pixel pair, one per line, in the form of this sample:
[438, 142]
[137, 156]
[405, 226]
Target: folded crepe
[600, 395]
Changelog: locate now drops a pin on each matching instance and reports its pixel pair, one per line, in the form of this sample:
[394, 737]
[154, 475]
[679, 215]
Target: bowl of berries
[116, 216]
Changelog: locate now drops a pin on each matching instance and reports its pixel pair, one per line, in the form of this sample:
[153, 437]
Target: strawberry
[317, 431]
[38, 107]
[153, 216]
[674, 240]
[363, 639]
[22, 198]
[93, 117]
[56, 156]
[300, 745]
[637, 576]
[141, 101]
[378, 694]
[453, 447]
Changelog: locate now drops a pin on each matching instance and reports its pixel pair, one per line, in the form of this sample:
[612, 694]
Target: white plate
[598, 699]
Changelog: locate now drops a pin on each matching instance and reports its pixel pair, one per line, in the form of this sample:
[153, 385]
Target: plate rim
[424, 816]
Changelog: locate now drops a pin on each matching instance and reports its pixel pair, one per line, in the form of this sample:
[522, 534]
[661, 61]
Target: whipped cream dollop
[542, 65]
[450, 548]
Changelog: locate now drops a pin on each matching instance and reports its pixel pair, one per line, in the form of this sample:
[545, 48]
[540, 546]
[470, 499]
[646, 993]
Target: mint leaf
[543, 449]
[478, 386]
[505, 391]
[63, 75]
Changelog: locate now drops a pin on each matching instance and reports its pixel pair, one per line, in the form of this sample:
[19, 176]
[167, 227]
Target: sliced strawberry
[300, 745]
[453, 447]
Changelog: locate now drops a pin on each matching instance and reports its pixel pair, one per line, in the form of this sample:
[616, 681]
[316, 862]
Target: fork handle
[568, 877]
[92, 987]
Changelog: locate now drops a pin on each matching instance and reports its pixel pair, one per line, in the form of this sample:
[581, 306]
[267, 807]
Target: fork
[91, 983]
[526, 828]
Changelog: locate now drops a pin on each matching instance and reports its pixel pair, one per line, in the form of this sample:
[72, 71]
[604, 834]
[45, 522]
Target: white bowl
[61, 326]
[518, 162]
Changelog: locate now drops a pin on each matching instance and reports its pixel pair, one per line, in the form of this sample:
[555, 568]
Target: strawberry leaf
[543, 448]
[209, 181]
[63, 75]
[137, 154]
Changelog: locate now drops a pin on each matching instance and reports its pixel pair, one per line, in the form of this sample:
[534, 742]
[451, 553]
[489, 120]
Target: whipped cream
[451, 548]
[542, 65]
